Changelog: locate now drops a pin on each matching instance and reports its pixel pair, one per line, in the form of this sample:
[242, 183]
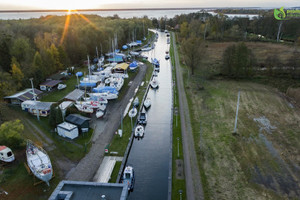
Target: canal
[150, 155]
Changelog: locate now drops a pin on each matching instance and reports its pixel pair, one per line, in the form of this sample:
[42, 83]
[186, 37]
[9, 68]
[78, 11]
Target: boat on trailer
[39, 162]
[6, 154]
[143, 117]
[132, 112]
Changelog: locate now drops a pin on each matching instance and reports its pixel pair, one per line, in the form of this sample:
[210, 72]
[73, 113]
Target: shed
[42, 107]
[64, 106]
[49, 85]
[121, 68]
[24, 95]
[67, 130]
[80, 121]
[75, 95]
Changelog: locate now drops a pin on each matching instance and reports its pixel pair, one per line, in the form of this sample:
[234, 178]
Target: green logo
[279, 14]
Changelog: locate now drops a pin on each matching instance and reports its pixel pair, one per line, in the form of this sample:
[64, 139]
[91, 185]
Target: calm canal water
[150, 156]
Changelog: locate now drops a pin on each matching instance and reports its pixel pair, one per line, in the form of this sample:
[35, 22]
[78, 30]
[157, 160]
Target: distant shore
[125, 9]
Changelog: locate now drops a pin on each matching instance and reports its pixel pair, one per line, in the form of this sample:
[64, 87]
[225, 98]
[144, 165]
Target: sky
[119, 4]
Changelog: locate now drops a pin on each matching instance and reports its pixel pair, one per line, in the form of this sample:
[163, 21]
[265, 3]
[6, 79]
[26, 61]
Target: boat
[105, 95]
[147, 103]
[84, 108]
[154, 83]
[39, 162]
[136, 102]
[139, 131]
[168, 41]
[147, 49]
[155, 73]
[134, 53]
[143, 117]
[156, 64]
[100, 113]
[6, 154]
[132, 112]
[133, 66]
[128, 177]
[61, 86]
[167, 57]
[94, 104]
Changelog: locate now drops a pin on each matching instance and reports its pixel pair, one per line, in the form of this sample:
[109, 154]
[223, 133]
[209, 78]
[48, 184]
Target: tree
[5, 57]
[16, 73]
[59, 118]
[193, 51]
[10, 134]
[184, 30]
[52, 116]
[7, 86]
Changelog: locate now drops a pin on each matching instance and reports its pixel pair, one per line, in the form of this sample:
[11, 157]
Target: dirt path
[88, 166]
[192, 176]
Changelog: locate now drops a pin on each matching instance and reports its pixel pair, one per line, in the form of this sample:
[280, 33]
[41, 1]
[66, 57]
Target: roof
[65, 104]
[123, 66]
[24, 95]
[77, 119]
[67, 126]
[51, 83]
[80, 190]
[39, 105]
[75, 95]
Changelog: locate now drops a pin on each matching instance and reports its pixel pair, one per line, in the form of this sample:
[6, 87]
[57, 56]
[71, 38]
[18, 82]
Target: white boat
[117, 83]
[100, 113]
[128, 177]
[167, 57]
[61, 86]
[94, 104]
[139, 131]
[155, 73]
[143, 117]
[147, 103]
[136, 102]
[132, 112]
[6, 154]
[105, 95]
[134, 53]
[154, 83]
[39, 162]
[84, 108]
[147, 49]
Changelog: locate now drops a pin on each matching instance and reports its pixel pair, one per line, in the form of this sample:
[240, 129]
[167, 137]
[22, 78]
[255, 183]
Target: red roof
[2, 147]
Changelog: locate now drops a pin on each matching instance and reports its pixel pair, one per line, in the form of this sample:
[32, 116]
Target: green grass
[114, 174]
[177, 184]
[119, 144]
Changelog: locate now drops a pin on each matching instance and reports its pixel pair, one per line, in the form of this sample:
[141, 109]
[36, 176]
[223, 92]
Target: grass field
[262, 160]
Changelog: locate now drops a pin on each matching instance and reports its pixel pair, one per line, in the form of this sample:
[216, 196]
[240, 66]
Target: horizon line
[124, 9]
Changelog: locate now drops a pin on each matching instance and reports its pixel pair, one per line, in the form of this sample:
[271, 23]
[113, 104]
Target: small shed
[49, 85]
[24, 95]
[64, 106]
[83, 123]
[67, 130]
[121, 68]
[75, 95]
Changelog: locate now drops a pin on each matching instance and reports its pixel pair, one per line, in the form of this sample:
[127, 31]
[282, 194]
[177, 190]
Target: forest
[37, 48]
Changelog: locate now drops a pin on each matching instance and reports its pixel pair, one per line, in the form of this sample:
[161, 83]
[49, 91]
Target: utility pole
[237, 112]
[34, 98]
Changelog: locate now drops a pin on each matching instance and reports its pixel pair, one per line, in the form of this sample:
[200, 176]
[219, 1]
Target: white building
[67, 130]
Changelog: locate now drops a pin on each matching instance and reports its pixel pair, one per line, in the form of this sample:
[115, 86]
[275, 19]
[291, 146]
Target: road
[194, 188]
[104, 132]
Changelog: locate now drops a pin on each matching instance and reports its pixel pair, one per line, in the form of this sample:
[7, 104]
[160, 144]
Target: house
[75, 95]
[80, 121]
[67, 130]
[24, 95]
[49, 85]
[121, 68]
[42, 107]
[74, 190]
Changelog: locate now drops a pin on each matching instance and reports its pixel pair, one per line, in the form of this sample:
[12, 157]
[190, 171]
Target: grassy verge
[177, 184]
[114, 174]
[119, 144]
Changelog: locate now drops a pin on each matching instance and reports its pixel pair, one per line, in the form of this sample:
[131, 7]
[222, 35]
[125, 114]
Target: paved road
[192, 176]
[88, 166]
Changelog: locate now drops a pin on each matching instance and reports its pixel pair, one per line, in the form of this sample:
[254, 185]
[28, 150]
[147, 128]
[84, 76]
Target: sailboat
[39, 162]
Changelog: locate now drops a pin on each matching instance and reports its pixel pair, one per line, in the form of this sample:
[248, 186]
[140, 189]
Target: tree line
[40, 47]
